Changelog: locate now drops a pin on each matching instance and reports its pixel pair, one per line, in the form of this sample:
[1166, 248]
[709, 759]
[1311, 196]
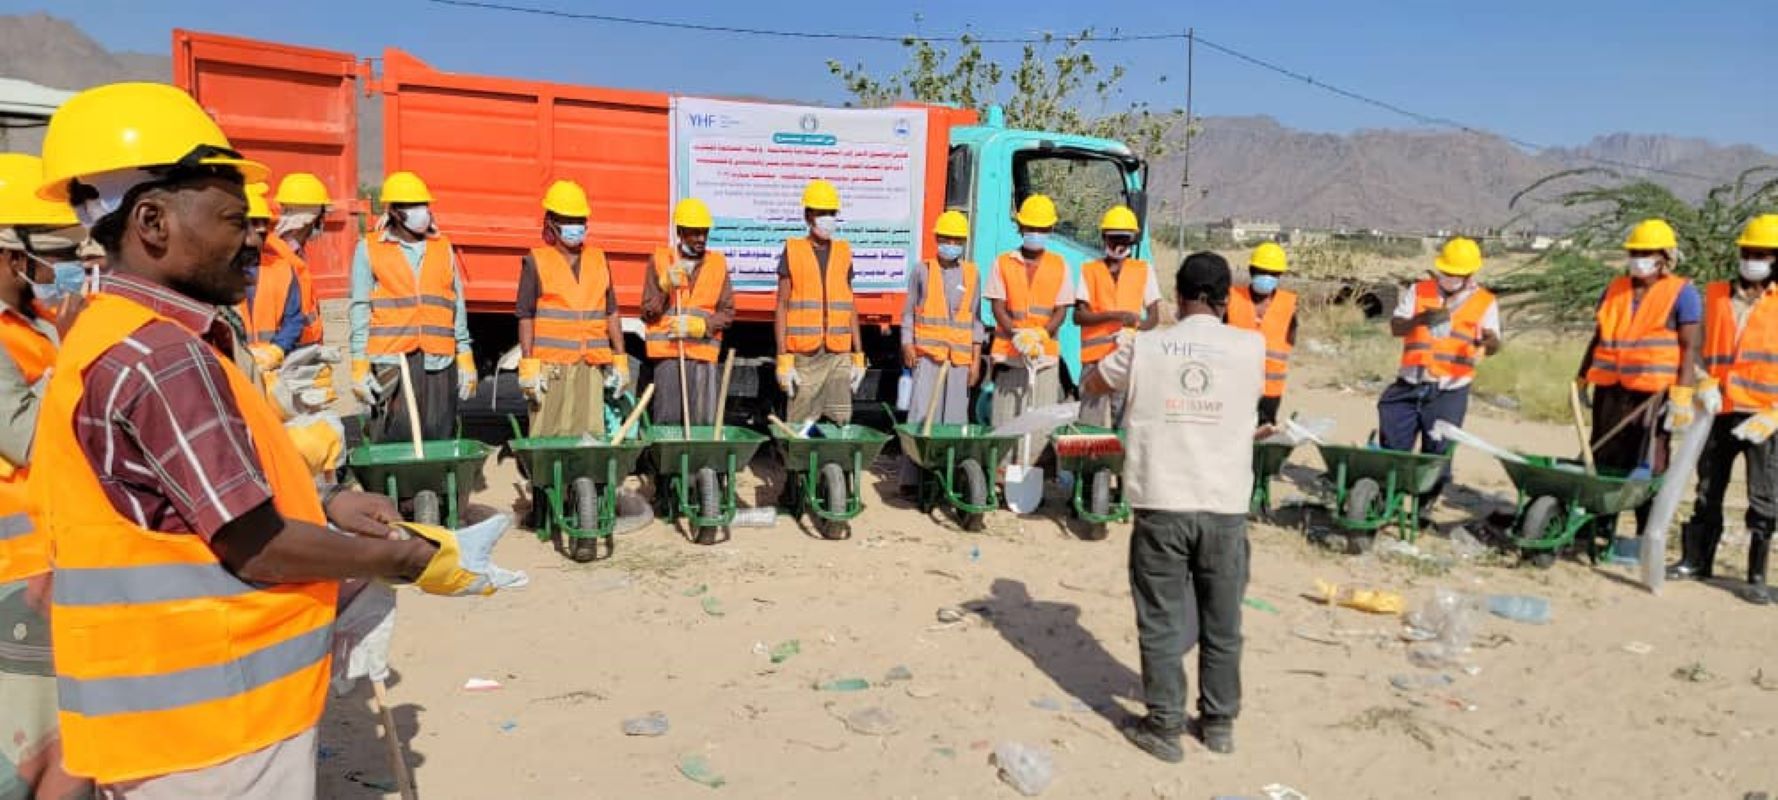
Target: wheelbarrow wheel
[1099, 503]
[709, 503]
[586, 518]
[834, 493]
[1364, 501]
[975, 492]
[426, 509]
[1542, 521]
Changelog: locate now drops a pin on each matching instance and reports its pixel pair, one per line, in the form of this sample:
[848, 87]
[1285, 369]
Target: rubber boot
[1697, 555]
[1758, 550]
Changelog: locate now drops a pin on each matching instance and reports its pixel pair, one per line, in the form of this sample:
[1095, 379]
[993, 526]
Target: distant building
[1244, 232]
[1302, 237]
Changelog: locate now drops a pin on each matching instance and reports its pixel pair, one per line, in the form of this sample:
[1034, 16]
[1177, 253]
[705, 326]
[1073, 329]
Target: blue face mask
[571, 235]
[950, 252]
[1264, 284]
[1035, 241]
[70, 278]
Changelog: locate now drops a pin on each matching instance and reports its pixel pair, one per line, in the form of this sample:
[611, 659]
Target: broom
[1088, 445]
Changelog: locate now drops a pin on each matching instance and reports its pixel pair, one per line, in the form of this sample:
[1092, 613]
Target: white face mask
[1756, 270]
[1644, 266]
[417, 219]
[1452, 284]
[825, 225]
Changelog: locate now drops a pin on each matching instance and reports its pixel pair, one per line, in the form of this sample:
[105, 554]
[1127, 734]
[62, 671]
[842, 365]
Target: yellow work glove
[858, 371]
[690, 326]
[1710, 395]
[1680, 410]
[673, 277]
[462, 565]
[364, 387]
[1758, 428]
[531, 380]
[466, 377]
[324, 382]
[787, 378]
[320, 438]
[617, 376]
[268, 356]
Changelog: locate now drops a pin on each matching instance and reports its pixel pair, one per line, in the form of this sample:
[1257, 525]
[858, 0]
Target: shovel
[1024, 482]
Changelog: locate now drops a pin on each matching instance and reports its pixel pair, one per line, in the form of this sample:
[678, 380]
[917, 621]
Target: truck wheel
[975, 492]
[834, 492]
[709, 504]
[426, 508]
[1542, 523]
[586, 518]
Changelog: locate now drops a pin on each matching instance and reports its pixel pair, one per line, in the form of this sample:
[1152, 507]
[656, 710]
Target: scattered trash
[1442, 626]
[1520, 608]
[1466, 546]
[975, 553]
[712, 606]
[654, 724]
[695, 590]
[898, 672]
[509, 726]
[785, 649]
[379, 784]
[1254, 602]
[921, 692]
[1764, 683]
[1029, 769]
[695, 767]
[947, 752]
[952, 614]
[1375, 601]
[1694, 672]
[761, 517]
[1638, 648]
[1410, 683]
[1278, 791]
[481, 685]
[844, 685]
[872, 721]
[1626, 550]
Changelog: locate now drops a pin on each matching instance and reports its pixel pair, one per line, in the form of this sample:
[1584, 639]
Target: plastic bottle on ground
[1520, 608]
[904, 389]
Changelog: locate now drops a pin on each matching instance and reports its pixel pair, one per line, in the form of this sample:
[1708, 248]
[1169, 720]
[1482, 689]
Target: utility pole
[1185, 178]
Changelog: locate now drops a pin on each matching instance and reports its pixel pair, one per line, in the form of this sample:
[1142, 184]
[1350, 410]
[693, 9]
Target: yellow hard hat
[20, 175]
[1651, 234]
[123, 126]
[302, 189]
[821, 196]
[404, 187]
[1120, 218]
[1269, 257]
[1761, 232]
[692, 213]
[951, 224]
[1038, 211]
[257, 207]
[1459, 257]
[566, 198]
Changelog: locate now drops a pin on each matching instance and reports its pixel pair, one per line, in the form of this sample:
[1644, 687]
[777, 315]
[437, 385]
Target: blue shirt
[291, 320]
[364, 279]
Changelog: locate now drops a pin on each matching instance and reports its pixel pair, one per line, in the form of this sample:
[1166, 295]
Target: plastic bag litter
[1295, 431]
[652, 724]
[1443, 626]
[1029, 769]
[872, 721]
[1362, 598]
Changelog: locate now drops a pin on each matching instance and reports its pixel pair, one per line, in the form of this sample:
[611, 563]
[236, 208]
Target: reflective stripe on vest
[819, 311]
[165, 660]
[1455, 354]
[570, 325]
[263, 311]
[1636, 348]
[1744, 361]
[408, 314]
[1275, 326]
[24, 546]
[707, 282]
[941, 334]
[305, 284]
[1030, 300]
[1105, 293]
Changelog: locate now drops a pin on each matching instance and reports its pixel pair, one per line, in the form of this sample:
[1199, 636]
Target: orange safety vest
[408, 315]
[706, 291]
[571, 325]
[1745, 362]
[1637, 349]
[1455, 354]
[271, 291]
[24, 546]
[165, 660]
[1029, 300]
[1244, 313]
[820, 310]
[1123, 293]
[939, 333]
[305, 283]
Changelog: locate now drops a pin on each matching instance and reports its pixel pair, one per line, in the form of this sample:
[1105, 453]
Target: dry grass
[1535, 370]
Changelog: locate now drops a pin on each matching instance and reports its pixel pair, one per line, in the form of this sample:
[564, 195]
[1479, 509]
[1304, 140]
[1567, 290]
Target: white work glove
[787, 377]
[307, 379]
[617, 376]
[463, 565]
[365, 386]
[1710, 396]
[858, 371]
[361, 637]
[466, 377]
[1757, 428]
[1125, 336]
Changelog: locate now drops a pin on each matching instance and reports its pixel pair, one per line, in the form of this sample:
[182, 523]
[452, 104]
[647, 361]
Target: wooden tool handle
[397, 763]
[1580, 430]
[413, 408]
[684, 386]
[630, 421]
[938, 387]
[779, 424]
[728, 367]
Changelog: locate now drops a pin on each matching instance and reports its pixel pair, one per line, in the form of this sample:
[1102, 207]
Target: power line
[1419, 117]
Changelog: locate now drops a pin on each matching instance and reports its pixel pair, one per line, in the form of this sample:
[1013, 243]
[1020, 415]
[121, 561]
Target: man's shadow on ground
[354, 759]
[1050, 634]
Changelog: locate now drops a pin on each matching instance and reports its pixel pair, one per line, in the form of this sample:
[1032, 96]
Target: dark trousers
[1714, 469]
[1268, 410]
[436, 393]
[1188, 573]
[1406, 414]
[1643, 441]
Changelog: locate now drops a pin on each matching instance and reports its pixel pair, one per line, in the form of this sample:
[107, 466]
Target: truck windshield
[1083, 184]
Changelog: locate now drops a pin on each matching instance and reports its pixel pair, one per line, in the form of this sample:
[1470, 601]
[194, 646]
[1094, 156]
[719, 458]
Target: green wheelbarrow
[698, 474]
[1268, 460]
[823, 472]
[957, 464]
[1374, 487]
[574, 482]
[1557, 500]
[1098, 478]
[437, 482]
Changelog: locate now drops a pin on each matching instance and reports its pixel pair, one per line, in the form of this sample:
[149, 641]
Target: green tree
[1564, 284]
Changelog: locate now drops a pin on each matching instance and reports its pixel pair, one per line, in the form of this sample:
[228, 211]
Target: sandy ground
[1623, 695]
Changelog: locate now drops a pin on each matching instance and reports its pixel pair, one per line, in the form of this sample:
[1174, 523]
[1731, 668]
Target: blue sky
[1555, 72]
